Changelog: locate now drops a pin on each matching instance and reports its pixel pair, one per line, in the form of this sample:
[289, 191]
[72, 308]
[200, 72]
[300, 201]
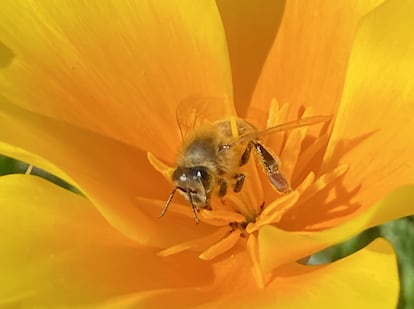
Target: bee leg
[222, 187]
[195, 214]
[239, 182]
[272, 169]
[194, 208]
[246, 154]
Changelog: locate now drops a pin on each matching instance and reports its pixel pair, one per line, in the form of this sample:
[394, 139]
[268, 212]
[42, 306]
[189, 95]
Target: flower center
[240, 216]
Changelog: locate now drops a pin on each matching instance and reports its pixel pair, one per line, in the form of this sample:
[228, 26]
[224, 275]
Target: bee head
[195, 183]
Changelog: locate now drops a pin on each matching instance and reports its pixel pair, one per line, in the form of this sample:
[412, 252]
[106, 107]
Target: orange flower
[89, 90]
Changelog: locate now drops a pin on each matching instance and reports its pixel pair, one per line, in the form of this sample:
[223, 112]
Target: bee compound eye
[201, 173]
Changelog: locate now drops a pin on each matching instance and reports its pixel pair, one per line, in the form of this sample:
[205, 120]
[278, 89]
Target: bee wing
[304, 122]
[194, 111]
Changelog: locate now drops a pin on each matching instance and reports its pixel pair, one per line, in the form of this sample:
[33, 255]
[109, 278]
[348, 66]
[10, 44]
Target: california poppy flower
[89, 91]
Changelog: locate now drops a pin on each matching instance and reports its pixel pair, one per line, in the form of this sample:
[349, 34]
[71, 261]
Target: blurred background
[400, 233]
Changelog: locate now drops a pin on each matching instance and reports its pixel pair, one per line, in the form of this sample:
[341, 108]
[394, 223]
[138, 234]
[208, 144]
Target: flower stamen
[291, 151]
[323, 181]
[253, 250]
[308, 155]
[274, 211]
[222, 246]
[239, 217]
[198, 244]
[306, 183]
[221, 217]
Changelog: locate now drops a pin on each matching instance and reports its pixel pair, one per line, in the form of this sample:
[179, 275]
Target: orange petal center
[240, 216]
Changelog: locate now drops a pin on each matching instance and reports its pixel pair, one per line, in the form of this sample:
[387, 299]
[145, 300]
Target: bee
[212, 155]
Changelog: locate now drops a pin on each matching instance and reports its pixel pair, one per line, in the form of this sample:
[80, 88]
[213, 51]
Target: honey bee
[212, 154]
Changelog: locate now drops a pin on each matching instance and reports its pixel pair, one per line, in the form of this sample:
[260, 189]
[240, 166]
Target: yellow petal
[373, 130]
[58, 252]
[117, 68]
[366, 279]
[250, 28]
[6, 55]
[297, 245]
[111, 174]
[307, 63]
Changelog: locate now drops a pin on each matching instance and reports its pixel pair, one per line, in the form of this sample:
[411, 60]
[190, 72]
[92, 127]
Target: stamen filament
[221, 217]
[273, 212]
[307, 155]
[291, 151]
[253, 249]
[306, 183]
[277, 114]
[222, 246]
[238, 204]
[255, 195]
[196, 244]
[324, 181]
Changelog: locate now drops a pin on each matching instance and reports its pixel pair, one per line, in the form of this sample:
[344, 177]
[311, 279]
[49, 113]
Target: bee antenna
[164, 209]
